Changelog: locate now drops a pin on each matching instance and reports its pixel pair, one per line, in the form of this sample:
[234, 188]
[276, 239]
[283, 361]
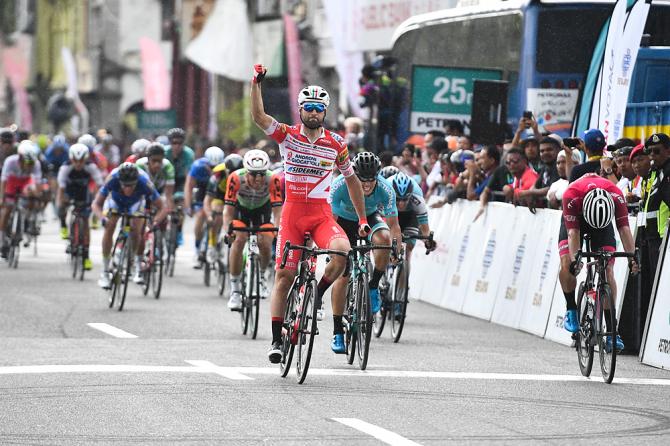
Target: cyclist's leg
[604, 239]
[217, 214]
[326, 233]
[236, 255]
[380, 235]
[338, 295]
[565, 277]
[262, 217]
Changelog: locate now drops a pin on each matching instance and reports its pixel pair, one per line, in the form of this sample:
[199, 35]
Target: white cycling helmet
[598, 208]
[139, 146]
[314, 93]
[78, 152]
[28, 150]
[88, 140]
[214, 155]
[256, 161]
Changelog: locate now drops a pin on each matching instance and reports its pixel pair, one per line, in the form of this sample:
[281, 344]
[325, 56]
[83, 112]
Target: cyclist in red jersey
[310, 153]
[589, 206]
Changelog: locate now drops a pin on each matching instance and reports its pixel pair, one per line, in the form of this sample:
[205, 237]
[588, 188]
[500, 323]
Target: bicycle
[122, 262]
[174, 220]
[77, 245]
[251, 280]
[300, 319]
[358, 317]
[32, 221]
[152, 262]
[14, 236]
[394, 307]
[596, 323]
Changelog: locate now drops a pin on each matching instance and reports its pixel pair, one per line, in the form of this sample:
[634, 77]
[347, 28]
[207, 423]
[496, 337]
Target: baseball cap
[637, 150]
[594, 139]
[658, 138]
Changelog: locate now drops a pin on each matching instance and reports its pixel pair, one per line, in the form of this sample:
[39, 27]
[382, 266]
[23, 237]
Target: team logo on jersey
[326, 163]
[343, 156]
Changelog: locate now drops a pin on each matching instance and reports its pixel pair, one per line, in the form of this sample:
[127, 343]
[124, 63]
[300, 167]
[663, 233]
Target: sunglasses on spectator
[649, 151]
[314, 106]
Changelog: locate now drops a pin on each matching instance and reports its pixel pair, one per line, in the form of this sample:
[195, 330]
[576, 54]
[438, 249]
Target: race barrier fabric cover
[656, 348]
[502, 267]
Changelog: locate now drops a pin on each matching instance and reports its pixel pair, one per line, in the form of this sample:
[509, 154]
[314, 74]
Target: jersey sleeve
[571, 208]
[620, 206]
[232, 189]
[63, 172]
[37, 172]
[277, 131]
[276, 194]
[389, 205]
[343, 162]
[5, 171]
[111, 183]
[151, 193]
[95, 173]
[212, 185]
[420, 208]
[168, 170]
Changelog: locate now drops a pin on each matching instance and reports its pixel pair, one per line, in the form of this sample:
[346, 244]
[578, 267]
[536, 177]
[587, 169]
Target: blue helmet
[402, 184]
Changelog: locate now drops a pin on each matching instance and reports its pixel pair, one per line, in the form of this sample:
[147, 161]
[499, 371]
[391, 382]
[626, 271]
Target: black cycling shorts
[254, 217]
[600, 238]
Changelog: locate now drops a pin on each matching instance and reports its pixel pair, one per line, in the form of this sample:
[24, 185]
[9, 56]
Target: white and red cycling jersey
[16, 178]
[308, 166]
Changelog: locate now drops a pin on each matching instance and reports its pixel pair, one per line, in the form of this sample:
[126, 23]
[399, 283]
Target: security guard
[657, 205]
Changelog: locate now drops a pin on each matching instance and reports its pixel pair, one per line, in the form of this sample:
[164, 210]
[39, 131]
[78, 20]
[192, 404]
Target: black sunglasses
[257, 174]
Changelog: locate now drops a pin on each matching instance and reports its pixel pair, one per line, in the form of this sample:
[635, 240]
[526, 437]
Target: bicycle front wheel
[306, 330]
[126, 268]
[171, 250]
[350, 323]
[254, 296]
[399, 302]
[287, 345]
[606, 332]
[584, 341]
[364, 332]
[157, 267]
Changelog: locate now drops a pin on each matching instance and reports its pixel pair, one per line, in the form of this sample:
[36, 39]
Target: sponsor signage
[657, 337]
[440, 94]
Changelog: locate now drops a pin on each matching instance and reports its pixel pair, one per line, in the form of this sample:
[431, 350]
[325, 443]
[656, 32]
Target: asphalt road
[189, 376]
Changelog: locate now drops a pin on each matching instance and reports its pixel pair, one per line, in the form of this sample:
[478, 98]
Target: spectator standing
[628, 182]
[524, 175]
[547, 174]
[594, 144]
[641, 164]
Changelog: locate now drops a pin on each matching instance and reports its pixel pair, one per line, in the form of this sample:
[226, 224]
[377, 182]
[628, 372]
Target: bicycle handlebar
[253, 229]
[393, 247]
[428, 237]
[312, 251]
[607, 255]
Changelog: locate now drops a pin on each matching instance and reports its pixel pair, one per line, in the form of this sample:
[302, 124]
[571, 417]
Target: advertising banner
[543, 274]
[517, 263]
[467, 242]
[488, 267]
[433, 265]
[656, 349]
[553, 109]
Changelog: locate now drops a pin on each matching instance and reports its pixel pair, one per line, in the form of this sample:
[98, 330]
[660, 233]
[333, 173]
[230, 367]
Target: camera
[528, 114]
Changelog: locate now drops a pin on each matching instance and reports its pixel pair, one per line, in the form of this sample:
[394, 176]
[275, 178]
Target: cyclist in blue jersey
[412, 212]
[127, 189]
[382, 216]
[181, 156]
[198, 178]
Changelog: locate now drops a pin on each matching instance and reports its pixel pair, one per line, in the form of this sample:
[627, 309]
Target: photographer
[529, 144]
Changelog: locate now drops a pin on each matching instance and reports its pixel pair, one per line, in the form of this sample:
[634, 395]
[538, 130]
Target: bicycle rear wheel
[81, 235]
[157, 267]
[307, 330]
[148, 264]
[288, 347]
[399, 302]
[584, 341]
[15, 241]
[364, 332]
[171, 249]
[254, 296]
[222, 270]
[606, 327]
[115, 288]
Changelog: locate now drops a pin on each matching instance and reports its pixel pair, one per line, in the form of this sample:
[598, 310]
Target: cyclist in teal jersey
[382, 216]
[160, 171]
[181, 157]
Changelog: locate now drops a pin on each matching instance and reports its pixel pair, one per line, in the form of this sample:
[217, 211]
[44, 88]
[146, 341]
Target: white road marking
[110, 330]
[226, 372]
[379, 433]
[237, 372]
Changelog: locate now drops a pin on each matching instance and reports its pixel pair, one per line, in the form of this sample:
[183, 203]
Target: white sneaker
[196, 261]
[138, 277]
[211, 254]
[105, 280]
[235, 301]
[320, 314]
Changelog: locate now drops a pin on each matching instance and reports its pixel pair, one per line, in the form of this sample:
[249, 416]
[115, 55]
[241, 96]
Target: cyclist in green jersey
[160, 171]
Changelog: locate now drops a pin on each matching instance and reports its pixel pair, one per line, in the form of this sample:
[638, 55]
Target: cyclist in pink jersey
[310, 153]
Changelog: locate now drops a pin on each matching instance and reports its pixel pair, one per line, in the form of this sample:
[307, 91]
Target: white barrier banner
[657, 346]
[432, 266]
[467, 244]
[543, 275]
[518, 264]
[491, 260]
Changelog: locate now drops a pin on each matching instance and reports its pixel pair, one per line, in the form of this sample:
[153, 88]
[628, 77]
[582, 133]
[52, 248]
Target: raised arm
[262, 119]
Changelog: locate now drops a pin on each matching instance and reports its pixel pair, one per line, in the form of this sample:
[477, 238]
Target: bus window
[464, 43]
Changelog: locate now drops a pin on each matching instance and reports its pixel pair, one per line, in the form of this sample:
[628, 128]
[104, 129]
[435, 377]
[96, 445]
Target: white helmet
[256, 161]
[28, 150]
[78, 152]
[214, 155]
[88, 140]
[598, 208]
[313, 93]
[139, 146]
